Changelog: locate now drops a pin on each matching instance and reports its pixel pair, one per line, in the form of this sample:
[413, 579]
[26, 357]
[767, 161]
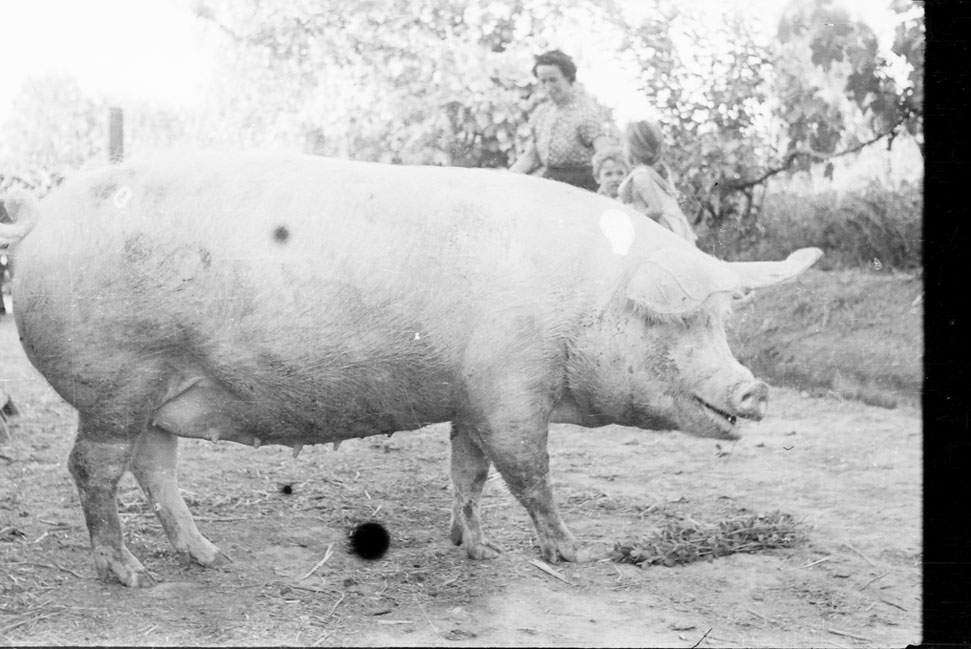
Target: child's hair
[601, 158]
[645, 142]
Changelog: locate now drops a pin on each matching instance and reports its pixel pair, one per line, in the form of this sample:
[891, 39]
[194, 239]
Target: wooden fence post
[116, 135]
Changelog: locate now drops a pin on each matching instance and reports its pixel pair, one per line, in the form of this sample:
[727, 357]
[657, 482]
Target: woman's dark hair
[560, 60]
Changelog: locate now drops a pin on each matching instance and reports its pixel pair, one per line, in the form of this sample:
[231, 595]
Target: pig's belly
[292, 410]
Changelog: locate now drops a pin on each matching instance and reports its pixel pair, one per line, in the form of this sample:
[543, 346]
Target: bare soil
[850, 471]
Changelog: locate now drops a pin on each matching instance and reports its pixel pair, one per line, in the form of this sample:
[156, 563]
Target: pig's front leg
[513, 374]
[512, 429]
[518, 449]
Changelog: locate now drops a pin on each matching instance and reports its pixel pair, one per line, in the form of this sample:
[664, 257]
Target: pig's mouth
[726, 421]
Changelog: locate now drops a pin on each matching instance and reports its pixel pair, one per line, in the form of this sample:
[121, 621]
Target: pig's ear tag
[756, 274]
[676, 281]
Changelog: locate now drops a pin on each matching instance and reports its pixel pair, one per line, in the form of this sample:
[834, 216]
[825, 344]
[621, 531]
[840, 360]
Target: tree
[414, 81]
[53, 129]
[711, 97]
[842, 52]
[739, 112]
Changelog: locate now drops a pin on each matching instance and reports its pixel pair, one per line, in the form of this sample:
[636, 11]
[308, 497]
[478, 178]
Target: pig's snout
[751, 400]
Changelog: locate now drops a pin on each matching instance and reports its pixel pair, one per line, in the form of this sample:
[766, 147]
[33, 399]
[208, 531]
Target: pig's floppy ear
[674, 281]
[755, 274]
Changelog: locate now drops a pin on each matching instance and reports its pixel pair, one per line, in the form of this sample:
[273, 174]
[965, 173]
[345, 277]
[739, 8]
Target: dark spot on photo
[281, 233]
[205, 256]
[370, 540]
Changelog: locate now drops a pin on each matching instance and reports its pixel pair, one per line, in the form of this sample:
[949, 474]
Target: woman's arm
[528, 161]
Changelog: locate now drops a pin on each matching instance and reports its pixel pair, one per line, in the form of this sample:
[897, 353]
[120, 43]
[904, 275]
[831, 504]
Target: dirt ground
[850, 471]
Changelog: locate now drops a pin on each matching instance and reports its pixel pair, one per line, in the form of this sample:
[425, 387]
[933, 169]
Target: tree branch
[815, 155]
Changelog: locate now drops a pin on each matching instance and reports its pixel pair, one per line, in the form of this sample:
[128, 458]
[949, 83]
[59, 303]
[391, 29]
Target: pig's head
[657, 356]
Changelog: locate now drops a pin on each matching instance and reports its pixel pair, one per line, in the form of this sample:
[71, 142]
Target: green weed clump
[875, 228]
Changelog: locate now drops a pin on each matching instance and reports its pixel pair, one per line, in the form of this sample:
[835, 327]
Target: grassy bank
[873, 227]
[854, 333]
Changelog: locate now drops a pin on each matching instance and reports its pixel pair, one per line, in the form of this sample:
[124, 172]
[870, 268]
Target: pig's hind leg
[470, 468]
[97, 462]
[154, 463]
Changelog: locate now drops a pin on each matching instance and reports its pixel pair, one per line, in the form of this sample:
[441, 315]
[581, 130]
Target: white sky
[124, 49]
[155, 50]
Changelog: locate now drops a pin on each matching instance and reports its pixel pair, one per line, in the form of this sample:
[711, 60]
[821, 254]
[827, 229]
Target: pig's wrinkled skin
[275, 299]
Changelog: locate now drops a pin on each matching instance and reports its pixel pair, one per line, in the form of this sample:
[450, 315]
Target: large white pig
[286, 299]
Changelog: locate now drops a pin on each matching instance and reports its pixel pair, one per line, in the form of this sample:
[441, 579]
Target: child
[609, 168]
[648, 187]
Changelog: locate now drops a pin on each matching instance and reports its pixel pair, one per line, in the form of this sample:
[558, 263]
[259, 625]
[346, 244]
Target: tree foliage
[847, 50]
[739, 111]
[414, 81]
[449, 82]
[53, 130]
[711, 100]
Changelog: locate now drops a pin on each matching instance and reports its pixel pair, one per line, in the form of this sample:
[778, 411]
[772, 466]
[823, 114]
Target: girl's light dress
[653, 195]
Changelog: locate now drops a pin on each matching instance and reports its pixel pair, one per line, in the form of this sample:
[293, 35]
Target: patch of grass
[874, 227]
[857, 334]
[682, 540]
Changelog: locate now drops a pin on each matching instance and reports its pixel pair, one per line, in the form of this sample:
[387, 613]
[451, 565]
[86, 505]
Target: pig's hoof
[476, 545]
[563, 550]
[123, 566]
[215, 559]
[203, 552]
[484, 550]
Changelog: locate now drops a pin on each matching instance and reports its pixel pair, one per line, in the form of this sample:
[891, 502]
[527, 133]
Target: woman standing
[649, 188]
[567, 129]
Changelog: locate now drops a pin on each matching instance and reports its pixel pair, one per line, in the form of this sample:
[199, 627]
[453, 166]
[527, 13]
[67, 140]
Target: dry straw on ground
[682, 540]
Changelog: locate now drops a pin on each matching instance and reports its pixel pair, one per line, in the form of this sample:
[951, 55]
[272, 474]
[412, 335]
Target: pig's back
[292, 229]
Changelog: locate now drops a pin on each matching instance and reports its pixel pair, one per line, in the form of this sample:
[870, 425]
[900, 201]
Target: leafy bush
[874, 227]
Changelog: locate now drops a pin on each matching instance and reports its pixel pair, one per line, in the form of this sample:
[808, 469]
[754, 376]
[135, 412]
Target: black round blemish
[286, 489]
[370, 540]
[281, 233]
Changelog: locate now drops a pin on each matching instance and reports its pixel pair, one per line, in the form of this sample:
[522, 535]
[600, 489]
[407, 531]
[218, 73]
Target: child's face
[611, 175]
